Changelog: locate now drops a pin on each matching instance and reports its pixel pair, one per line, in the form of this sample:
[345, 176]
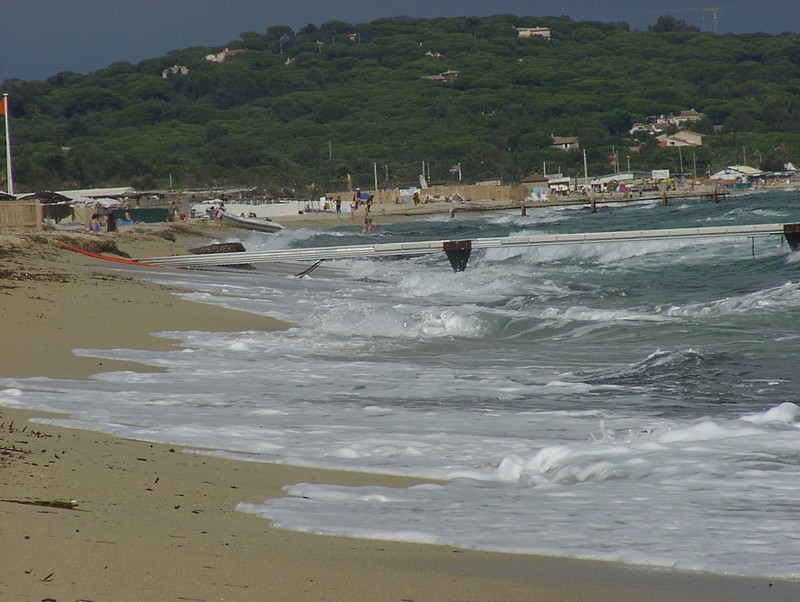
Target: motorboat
[258, 224]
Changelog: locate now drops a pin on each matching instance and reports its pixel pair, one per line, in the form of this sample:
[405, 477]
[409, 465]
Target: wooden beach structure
[20, 215]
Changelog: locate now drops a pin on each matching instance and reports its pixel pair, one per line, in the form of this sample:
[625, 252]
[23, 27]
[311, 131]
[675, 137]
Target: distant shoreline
[393, 212]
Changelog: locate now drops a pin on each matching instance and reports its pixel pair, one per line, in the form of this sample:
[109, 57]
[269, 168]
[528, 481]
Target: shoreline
[158, 522]
[387, 213]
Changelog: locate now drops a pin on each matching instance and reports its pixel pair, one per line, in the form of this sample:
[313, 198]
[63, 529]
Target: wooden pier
[715, 196]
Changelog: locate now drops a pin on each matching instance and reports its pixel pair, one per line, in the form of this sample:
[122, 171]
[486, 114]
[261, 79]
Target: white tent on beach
[98, 193]
[102, 203]
[740, 173]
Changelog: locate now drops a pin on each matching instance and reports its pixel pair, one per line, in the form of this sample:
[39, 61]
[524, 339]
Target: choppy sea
[632, 401]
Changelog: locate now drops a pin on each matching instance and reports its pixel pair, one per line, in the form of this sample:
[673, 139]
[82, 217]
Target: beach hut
[55, 206]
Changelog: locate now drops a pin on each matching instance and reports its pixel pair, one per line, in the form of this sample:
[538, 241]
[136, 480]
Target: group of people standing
[354, 205]
[217, 214]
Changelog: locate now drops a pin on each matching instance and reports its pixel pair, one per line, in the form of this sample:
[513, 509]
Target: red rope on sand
[135, 262]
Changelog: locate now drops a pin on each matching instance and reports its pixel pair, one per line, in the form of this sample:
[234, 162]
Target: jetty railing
[458, 251]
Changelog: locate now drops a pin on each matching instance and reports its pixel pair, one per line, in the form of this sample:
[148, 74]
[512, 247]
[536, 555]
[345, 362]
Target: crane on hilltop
[713, 11]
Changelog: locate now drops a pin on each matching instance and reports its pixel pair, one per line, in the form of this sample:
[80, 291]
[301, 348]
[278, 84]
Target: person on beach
[353, 209]
[367, 220]
[111, 222]
[220, 215]
[94, 223]
[338, 206]
[127, 208]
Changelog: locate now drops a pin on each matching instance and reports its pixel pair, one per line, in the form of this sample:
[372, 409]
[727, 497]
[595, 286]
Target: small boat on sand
[252, 223]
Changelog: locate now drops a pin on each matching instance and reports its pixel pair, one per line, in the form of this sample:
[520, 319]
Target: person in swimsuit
[367, 221]
[94, 223]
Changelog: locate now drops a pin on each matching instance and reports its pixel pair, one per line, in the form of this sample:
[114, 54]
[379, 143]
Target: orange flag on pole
[3, 106]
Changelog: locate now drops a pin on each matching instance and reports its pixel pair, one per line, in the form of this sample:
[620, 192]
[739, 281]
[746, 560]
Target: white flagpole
[9, 177]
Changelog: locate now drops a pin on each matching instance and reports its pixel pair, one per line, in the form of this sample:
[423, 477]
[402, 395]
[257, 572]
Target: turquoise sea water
[630, 401]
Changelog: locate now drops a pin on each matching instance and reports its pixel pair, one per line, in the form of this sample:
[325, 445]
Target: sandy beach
[90, 517]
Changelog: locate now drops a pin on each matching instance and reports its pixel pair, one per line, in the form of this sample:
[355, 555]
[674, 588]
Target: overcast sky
[40, 38]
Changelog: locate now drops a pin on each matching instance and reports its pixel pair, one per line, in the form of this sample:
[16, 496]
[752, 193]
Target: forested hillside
[313, 106]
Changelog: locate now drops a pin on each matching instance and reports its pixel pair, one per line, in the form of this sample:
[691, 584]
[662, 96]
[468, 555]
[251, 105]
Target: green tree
[668, 23]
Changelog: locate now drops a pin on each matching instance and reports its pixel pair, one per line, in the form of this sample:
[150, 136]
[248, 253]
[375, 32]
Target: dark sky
[40, 38]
